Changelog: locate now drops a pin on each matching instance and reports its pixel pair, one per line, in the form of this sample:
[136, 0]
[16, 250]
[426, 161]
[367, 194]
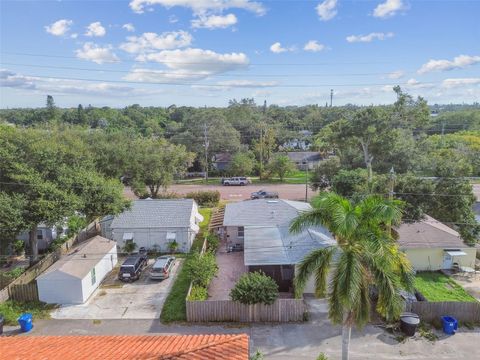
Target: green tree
[366, 255]
[255, 288]
[11, 218]
[323, 174]
[201, 268]
[281, 165]
[242, 164]
[52, 110]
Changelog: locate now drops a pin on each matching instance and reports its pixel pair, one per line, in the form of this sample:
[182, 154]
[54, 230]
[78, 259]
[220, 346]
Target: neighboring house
[221, 161]
[155, 223]
[106, 226]
[262, 227]
[300, 143]
[432, 245]
[302, 159]
[186, 347]
[476, 210]
[73, 278]
[45, 235]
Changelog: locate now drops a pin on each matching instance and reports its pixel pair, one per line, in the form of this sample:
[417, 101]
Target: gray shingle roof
[150, 213]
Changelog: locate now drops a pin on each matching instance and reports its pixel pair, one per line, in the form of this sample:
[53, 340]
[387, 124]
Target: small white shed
[73, 278]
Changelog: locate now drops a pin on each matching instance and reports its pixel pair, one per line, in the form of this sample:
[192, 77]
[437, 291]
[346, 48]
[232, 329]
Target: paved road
[233, 193]
[303, 341]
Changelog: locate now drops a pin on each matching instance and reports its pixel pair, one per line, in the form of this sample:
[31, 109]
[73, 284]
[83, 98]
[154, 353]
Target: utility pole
[306, 181]
[331, 97]
[261, 151]
[206, 144]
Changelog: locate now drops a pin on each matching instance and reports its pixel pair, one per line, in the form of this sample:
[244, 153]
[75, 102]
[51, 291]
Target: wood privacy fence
[24, 292]
[462, 311]
[34, 271]
[282, 310]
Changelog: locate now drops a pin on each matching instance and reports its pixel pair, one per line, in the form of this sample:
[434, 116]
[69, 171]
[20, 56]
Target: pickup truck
[262, 194]
[235, 181]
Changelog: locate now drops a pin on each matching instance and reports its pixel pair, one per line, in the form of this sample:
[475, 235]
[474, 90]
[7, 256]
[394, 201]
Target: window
[39, 235]
[93, 276]
[241, 231]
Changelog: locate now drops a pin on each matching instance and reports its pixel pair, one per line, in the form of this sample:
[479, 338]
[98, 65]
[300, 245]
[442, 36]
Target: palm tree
[366, 255]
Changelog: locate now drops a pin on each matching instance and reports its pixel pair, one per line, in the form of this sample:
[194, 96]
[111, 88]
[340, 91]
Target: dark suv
[132, 268]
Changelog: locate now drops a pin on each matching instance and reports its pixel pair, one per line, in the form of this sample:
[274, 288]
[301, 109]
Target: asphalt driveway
[142, 299]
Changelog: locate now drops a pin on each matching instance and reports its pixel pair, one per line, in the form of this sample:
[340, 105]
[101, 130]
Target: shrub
[198, 293]
[322, 356]
[213, 242]
[167, 195]
[201, 268]
[129, 247]
[205, 198]
[255, 288]
[18, 247]
[173, 246]
[75, 224]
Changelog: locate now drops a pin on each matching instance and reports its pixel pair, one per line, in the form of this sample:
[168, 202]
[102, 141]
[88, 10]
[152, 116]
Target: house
[45, 235]
[221, 161]
[73, 278]
[432, 245]
[302, 142]
[262, 228]
[187, 347]
[304, 159]
[155, 223]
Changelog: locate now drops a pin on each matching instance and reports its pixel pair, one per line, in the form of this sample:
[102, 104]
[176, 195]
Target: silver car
[162, 267]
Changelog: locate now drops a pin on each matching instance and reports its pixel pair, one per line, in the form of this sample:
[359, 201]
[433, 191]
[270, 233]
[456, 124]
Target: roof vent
[84, 255]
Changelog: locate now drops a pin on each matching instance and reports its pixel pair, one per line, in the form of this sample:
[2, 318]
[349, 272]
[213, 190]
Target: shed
[73, 278]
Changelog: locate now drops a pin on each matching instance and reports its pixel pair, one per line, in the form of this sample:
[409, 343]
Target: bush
[198, 293]
[205, 198]
[201, 268]
[167, 195]
[173, 246]
[11, 310]
[13, 274]
[75, 224]
[18, 247]
[129, 247]
[255, 288]
[213, 242]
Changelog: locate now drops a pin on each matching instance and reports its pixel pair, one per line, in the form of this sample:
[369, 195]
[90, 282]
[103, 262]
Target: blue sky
[205, 52]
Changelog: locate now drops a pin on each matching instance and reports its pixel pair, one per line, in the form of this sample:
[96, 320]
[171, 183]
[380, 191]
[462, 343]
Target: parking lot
[142, 299]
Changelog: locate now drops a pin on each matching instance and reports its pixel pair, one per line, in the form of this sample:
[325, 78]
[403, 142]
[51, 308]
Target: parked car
[162, 267]
[240, 181]
[262, 194]
[132, 268]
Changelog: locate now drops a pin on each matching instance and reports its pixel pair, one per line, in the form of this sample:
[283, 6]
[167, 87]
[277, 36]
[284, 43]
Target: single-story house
[221, 161]
[155, 223]
[304, 159]
[262, 228]
[432, 245]
[186, 347]
[73, 278]
[45, 235]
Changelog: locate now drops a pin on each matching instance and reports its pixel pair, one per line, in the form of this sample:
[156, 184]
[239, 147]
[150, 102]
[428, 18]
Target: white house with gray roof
[155, 223]
[262, 228]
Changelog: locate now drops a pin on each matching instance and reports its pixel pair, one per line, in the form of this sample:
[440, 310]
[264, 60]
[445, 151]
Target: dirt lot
[142, 299]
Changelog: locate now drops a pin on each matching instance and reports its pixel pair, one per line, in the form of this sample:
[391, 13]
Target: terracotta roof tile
[185, 347]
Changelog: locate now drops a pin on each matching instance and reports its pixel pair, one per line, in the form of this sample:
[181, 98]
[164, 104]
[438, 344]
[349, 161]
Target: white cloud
[214, 21]
[59, 28]
[13, 80]
[188, 64]
[369, 38]
[313, 46]
[277, 48]
[201, 6]
[129, 27]
[460, 82]
[396, 74]
[152, 41]
[388, 8]
[327, 10]
[415, 84]
[172, 19]
[459, 62]
[97, 54]
[95, 29]
[247, 83]
[74, 35]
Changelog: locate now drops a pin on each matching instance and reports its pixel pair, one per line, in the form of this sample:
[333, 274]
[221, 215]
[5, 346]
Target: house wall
[432, 259]
[231, 235]
[48, 234]
[60, 289]
[282, 274]
[150, 237]
[106, 228]
[102, 268]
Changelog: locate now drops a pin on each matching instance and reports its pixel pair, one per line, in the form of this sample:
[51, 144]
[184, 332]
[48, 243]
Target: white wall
[231, 233]
[150, 237]
[102, 268]
[60, 288]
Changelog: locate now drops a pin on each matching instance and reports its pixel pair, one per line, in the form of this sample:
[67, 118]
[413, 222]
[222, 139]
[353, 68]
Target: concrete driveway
[142, 299]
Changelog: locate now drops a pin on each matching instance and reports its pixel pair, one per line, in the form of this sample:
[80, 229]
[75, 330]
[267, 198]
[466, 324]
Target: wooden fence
[462, 311]
[24, 292]
[282, 310]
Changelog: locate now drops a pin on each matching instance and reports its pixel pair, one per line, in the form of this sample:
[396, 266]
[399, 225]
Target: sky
[206, 52]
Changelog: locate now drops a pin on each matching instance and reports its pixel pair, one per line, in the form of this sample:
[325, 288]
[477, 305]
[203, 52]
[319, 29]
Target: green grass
[174, 308]
[436, 286]
[297, 177]
[11, 310]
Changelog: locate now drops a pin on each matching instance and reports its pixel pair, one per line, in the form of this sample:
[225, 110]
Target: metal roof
[150, 213]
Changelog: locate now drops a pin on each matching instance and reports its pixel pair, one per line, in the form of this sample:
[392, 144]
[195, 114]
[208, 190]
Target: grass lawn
[436, 286]
[11, 310]
[174, 308]
[297, 177]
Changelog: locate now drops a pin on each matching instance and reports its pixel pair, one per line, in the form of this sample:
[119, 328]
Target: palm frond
[315, 217]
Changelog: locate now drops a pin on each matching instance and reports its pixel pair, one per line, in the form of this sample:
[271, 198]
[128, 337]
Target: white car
[240, 181]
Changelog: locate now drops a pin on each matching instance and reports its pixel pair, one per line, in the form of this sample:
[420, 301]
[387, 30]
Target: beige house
[431, 245]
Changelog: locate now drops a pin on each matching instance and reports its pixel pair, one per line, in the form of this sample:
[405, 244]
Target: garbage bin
[450, 325]
[25, 321]
[409, 323]
[2, 320]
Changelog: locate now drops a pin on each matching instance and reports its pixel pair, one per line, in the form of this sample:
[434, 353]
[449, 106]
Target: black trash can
[409, 323]
[2, 320]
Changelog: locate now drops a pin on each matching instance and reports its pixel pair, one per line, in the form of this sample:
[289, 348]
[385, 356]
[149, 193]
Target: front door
[447, 261]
